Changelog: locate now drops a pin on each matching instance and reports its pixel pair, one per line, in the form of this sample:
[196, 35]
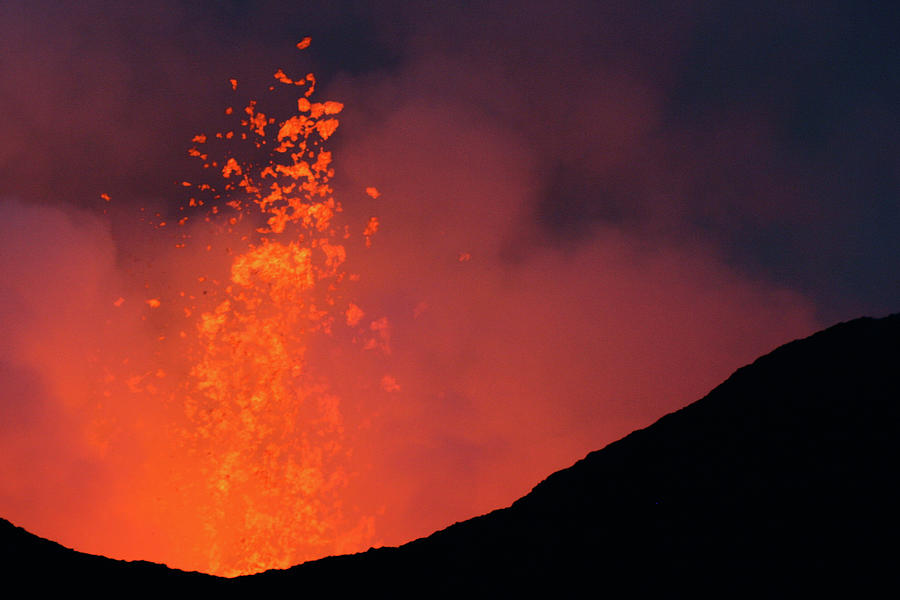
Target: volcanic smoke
[256, 378]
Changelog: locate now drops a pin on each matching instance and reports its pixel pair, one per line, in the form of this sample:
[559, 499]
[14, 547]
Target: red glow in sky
[388, 342]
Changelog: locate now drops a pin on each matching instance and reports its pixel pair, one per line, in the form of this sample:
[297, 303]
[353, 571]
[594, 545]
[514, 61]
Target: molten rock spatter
[264, 447]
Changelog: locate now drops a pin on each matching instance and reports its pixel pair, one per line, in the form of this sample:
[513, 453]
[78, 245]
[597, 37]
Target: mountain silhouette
[780, 482]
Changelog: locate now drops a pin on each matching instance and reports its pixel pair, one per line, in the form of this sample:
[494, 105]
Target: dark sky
[651, 194]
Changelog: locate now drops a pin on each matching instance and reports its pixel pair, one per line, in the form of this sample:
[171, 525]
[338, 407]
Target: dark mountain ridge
[779, 481]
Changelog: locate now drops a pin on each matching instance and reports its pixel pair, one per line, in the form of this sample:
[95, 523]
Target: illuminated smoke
[193, 394]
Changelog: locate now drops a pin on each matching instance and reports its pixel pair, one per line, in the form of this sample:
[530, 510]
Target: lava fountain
[217, 447]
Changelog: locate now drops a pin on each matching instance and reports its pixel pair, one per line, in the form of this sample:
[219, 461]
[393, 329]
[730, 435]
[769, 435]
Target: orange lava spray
[255, 463]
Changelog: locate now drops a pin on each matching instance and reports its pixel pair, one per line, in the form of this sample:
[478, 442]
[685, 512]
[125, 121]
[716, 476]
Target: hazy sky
[766, 130]
[651, 194]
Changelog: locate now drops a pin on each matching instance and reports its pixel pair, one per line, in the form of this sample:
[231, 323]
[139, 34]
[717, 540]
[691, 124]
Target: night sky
[647, 195]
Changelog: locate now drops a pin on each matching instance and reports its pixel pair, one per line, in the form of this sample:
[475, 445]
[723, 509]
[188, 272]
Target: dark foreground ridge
[779, 481]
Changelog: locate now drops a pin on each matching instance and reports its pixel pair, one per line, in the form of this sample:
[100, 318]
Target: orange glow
[244, 457]
[249, 387]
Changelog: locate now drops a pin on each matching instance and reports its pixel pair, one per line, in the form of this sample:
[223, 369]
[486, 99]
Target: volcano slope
[779, 481]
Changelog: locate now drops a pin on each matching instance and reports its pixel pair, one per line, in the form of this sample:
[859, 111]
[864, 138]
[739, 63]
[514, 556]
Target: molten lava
[249, 474]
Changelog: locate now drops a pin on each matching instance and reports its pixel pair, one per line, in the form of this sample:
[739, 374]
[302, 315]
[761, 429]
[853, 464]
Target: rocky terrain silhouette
[779, 482]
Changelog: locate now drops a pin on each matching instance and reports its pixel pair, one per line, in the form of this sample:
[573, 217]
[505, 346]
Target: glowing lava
[258, 459]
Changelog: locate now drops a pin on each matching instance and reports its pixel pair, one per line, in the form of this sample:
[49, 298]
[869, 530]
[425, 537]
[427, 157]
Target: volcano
[779, 481]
